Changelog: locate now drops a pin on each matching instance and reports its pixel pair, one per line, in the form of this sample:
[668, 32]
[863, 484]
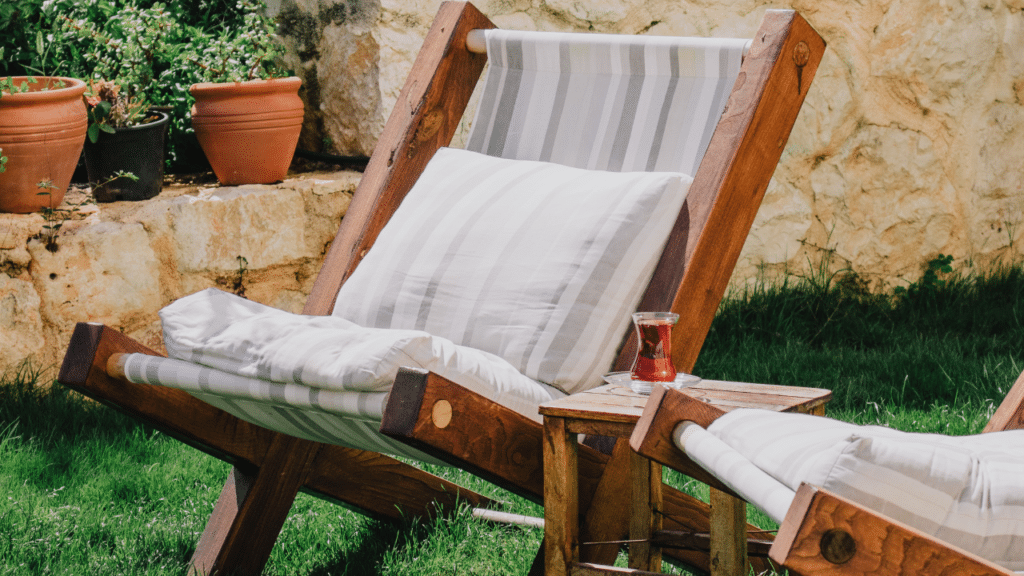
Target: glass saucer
[682, 380]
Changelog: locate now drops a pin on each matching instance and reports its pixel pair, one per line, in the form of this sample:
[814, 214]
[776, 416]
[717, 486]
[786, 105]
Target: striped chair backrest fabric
[604, 101]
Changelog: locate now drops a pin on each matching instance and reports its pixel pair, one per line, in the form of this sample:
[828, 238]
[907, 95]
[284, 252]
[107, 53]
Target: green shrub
[156, 48]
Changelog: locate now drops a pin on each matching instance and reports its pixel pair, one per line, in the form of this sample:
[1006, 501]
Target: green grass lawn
[85, 490]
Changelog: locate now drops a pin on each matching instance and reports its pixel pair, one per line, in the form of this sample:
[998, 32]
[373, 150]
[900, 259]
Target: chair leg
[241, 533]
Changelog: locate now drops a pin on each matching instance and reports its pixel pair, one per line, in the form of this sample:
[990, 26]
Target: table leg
[561, 498]
[645, 478]
[728, 535]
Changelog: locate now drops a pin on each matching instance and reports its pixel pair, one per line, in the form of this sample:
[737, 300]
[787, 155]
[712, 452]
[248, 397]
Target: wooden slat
[757, 545]
[608, 403]
[1010, 414]
[821, 525]
[256, 523]
[381, 486]
[612, 429]
[607, 511]
[218, 527]
[645, 477]
[728, 535]
[561, 520]
[424, 119]
[614, 403]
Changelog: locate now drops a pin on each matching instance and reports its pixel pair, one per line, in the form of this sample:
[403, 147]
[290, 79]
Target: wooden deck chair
[855, 500]
[480, 435]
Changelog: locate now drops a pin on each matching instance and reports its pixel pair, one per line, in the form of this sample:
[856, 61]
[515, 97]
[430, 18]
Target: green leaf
[106, 128]
[93, 132]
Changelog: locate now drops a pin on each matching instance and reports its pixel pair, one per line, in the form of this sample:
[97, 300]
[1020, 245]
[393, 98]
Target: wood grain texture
[424, 119]
[218, 528]
[561, 509]
[1010, 414]
[609, 508]
[256, 523]
[880, 545]
[382, 487]
[645, 487]
[728, 546]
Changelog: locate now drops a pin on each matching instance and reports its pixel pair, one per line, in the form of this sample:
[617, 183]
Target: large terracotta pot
[248, 130]
[41, 132]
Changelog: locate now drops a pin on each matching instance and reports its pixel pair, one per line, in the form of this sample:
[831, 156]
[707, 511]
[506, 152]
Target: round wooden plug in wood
[837, 546]
[441, 414]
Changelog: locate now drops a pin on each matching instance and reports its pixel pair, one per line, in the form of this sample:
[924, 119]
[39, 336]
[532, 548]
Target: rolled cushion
[965, 490]
[261, 344]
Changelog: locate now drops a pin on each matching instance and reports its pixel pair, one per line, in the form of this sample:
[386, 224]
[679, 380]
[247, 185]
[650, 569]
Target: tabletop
[615, 403]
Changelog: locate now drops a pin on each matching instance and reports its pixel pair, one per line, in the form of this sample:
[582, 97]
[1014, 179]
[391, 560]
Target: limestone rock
[124, 261]
[262, 224]
[908, 144]
[21, 327]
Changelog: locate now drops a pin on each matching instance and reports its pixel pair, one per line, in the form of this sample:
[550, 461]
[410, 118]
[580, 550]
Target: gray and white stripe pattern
[965, 490]
[603, 101]
[537, 263]
[344, 418]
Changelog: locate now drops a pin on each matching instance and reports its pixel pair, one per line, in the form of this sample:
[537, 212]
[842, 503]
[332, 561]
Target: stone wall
[120, 263]
[910, 143]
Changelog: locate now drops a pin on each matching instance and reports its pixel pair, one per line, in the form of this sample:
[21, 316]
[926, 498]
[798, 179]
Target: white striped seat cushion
[965, 490]
[316, 377]
[538, 263]
[603, 101]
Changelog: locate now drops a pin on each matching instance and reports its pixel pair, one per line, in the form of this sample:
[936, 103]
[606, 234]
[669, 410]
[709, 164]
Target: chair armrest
[652, 436]
[826, 534]
[1010, 414]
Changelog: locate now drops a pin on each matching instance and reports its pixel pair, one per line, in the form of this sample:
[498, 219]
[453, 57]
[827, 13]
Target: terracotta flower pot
[41, 132]
[248, 130]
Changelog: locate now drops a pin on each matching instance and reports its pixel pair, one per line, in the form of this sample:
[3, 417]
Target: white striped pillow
[965, 490]
[538, 263]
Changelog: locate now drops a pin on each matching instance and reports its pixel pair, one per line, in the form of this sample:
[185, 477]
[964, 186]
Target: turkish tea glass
[654, 355]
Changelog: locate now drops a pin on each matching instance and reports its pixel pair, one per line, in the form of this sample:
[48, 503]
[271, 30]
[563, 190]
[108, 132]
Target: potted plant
[246, 117]
[125, 135]
[42, 130]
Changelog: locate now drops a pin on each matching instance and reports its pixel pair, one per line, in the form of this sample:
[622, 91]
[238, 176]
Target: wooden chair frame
[824, 533]
[480, 436]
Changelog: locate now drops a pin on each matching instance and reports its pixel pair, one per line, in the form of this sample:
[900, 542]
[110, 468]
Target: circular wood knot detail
[801, 54]
[441, 414]
[837, 546]
[430, 124]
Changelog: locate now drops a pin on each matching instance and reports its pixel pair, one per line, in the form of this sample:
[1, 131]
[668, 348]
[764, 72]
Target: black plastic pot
[137, 149]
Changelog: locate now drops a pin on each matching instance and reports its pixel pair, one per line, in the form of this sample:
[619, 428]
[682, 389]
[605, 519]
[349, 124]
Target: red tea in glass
[654, 355]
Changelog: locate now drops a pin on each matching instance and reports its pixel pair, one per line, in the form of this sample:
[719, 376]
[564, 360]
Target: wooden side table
[613, 410]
